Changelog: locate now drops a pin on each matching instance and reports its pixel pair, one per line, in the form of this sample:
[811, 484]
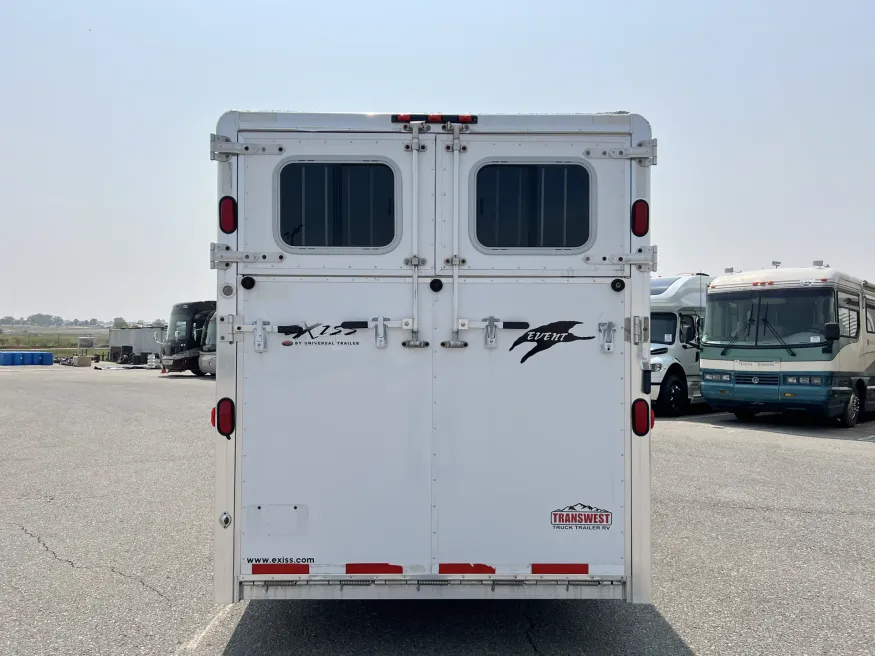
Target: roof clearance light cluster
[434, 118]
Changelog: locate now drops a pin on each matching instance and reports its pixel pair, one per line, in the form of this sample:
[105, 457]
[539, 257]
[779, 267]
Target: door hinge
[644, 259]
[640, 330]
[644, 153]
[415, 128]
[221, 148]
[222, 257]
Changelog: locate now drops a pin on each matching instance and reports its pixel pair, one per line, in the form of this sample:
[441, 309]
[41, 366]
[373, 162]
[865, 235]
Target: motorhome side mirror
[832, 332]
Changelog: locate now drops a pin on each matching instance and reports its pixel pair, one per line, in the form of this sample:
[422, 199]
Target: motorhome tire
[673, 397]
[851, 413]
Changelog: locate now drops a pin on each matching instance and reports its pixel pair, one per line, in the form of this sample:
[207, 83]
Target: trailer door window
[849, 314]
[349, 205]
[532, 206]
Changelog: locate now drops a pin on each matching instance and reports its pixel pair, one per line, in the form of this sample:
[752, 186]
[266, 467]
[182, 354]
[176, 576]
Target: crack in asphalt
[69, 562]
[529, 631]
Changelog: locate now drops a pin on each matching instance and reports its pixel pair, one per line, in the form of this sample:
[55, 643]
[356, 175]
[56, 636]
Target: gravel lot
[764, 536]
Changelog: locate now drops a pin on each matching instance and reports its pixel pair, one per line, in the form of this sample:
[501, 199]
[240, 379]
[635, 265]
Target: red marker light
[466, 118]
[640, 417]
[435, 118]
[227, 215]
[640, 217]
[225, 417]
[213, 417]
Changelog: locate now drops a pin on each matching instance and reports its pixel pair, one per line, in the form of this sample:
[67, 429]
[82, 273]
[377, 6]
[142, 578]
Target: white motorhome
[433, 356]
[677, 306]
[795, 339]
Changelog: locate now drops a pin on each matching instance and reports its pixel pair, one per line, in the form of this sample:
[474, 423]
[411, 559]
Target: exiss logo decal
[319, 334]
[550, 334]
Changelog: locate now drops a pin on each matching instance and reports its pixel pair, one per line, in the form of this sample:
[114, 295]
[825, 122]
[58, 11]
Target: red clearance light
[227, 215]
[640, 217]
[652, 419]
[434, 118]
[640, 417]
[213, 417]
[225, 417]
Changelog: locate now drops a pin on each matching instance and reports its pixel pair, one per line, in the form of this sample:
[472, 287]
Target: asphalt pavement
[764, 535]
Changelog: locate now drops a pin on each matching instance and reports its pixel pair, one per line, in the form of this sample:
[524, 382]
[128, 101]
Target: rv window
[337, 205]
[532, 206]
[870, 316]
[849, 314]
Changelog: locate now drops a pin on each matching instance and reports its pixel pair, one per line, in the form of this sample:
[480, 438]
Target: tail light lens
[225, 417]
[213, 417]
[641, 418]
[227, 215]
[640, 218]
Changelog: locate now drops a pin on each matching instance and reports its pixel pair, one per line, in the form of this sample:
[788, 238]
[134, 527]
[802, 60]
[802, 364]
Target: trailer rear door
[531, 417]
[335, 427]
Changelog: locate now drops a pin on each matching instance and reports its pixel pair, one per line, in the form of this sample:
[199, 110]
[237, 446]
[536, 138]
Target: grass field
[61, 340]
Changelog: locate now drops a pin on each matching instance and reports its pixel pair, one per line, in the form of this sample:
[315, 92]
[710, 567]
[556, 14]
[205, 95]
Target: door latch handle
[490, 333]
[259, 337]
[606, 330]
[380, 332]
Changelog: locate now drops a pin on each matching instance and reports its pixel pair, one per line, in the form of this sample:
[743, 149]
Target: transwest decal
[319, 334]
[581, 517]
[548, 335]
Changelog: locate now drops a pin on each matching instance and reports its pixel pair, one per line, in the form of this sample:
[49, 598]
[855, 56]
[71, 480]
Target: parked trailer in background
[677, 307]
[433, 356]
[779, 340]
[141, 342]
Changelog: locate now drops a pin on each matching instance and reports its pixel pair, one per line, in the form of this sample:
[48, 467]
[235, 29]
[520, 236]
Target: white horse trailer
[433, 356]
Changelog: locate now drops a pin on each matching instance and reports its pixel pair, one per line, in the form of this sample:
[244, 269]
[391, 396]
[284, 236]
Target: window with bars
[532, 206]
[346, 205]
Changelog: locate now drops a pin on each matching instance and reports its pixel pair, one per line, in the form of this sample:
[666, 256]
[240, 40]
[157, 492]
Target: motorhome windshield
[769, 319]
[663, 328]
[178, 328]
[210, 337]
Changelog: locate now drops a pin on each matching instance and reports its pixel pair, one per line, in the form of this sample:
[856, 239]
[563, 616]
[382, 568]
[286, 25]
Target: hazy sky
[763, 111]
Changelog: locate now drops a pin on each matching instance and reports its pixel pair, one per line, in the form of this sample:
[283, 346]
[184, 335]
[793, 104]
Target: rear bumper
[824, 401]
[411, 588]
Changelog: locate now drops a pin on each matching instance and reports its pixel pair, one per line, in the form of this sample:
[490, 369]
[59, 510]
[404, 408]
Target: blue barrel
[17, 358]
[27, 358]
[5, 358]
[48, 358]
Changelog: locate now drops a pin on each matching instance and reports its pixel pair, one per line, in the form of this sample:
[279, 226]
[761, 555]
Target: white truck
[677, 310]
[433, 356]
